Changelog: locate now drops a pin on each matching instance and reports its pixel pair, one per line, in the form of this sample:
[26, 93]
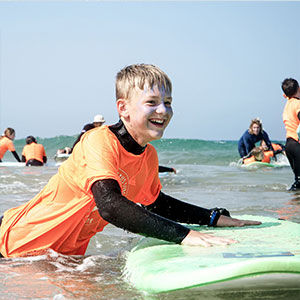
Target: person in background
[6, 143]
[66, 150]
[254, 134]
[256, 154]
[260, 155]
[33, 153]
[291, 120]
[98, 122]
[112, 177]
[162, 169]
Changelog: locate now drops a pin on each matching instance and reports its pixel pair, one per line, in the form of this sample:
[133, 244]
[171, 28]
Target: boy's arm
[123, 213]
[180, 211]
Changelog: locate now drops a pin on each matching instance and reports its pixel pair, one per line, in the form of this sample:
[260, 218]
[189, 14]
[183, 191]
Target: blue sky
[226, 60]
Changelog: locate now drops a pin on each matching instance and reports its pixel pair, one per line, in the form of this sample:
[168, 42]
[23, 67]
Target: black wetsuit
[157, 220]
[34, 162]
[15, 154]
[292, 150]
[162, 169]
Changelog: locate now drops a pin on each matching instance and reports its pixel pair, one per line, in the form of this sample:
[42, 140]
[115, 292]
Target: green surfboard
[270, 251]
[259, 164]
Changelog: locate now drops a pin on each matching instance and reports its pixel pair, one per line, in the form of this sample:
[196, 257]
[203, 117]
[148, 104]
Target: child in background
[111, 170]
[33, 153]
[6, 143]
[256, 154]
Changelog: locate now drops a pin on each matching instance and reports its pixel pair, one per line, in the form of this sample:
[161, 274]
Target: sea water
[207, 175]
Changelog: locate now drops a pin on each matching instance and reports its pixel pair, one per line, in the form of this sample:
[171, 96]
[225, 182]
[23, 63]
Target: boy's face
[146, 114]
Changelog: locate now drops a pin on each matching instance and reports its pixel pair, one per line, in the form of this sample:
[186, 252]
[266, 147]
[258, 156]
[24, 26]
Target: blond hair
[256, 121]
[7, 132]
[139, 76]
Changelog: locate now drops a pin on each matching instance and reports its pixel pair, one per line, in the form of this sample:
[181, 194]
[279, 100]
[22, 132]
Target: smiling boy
[111, 169]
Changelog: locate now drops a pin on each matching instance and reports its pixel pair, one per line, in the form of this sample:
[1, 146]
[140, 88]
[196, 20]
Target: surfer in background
[6, 143]
[112, 177]
[98, 122]
[33, 153]
[291, 120]
[162, 169]
[66, 150]
[254, 134]
[257, 154]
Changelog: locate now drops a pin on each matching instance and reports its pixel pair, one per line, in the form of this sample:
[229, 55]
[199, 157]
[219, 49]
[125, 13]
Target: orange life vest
[64, 216]
[276, 147]
[249, 160]
[34, 151]
[6, 144]
[290, 118]
[267, 156]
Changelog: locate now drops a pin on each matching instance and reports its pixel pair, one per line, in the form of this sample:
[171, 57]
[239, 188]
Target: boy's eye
[151, 102]
[168, 103]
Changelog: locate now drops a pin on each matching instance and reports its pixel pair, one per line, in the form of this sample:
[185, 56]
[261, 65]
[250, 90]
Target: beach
[207, 175]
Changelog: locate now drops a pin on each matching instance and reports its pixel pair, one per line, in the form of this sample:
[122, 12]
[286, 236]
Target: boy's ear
[122, 108]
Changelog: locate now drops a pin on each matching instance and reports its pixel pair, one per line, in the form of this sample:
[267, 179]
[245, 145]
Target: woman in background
[254, 134]
[6, 143]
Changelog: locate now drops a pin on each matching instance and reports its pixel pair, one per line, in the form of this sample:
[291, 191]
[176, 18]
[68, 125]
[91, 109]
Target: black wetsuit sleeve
[15, 154]
[163, 169]
[44, 159]
[121, 212]
[23, 158]
[179, 211]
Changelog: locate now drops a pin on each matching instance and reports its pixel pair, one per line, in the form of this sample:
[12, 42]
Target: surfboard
[11, 164]
[257, 165]
[265, 254]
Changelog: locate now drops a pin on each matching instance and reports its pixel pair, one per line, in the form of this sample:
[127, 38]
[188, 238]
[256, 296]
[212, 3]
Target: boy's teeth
[157, 121]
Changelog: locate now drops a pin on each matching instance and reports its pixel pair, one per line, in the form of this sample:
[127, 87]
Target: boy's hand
[231, 222]
[195, 238]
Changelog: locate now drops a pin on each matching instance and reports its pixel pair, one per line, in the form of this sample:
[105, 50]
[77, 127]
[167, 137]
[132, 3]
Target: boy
[291, 120]
[110, 170]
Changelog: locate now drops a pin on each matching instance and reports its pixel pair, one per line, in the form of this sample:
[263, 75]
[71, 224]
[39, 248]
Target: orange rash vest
[34, 151]
[290, 118]
[64, 216]
[6, 144]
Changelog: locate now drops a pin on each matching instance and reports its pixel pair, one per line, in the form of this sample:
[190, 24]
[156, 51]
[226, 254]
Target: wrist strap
[214, 217]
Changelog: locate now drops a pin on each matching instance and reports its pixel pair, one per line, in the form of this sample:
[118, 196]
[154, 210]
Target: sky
[226, 61]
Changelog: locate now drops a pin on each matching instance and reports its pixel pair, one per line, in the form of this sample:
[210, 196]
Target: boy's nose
[161, 108]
